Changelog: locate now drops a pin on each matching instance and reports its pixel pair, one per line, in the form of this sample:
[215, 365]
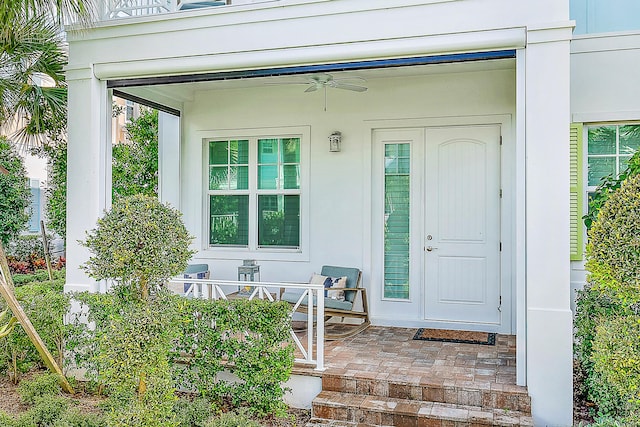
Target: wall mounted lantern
[335, 140]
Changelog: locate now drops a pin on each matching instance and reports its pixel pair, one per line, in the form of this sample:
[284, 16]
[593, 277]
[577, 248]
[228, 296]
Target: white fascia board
[511, 38]
[605, 42]
[553, 32]
[233, 15]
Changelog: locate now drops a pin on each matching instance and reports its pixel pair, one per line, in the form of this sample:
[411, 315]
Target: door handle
[430, 248]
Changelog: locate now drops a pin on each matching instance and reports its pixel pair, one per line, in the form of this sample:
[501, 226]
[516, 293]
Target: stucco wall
[339, 207]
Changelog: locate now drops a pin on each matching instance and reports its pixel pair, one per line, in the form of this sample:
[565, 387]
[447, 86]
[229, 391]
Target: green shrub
[46, 305]
[252, 335]
[193, 413]
[606, 324]
[75, 418]
[38, 276]
[613, 252]
[42, 385]
[616, 356]
[14, 193]
[139, 243]
[231, 419]
[45, 412]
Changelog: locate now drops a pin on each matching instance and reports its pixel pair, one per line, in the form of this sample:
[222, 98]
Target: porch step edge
[486, 395]
[320, 422]
[380, 411]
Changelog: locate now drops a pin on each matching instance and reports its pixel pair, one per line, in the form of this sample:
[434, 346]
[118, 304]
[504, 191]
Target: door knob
[430, 248]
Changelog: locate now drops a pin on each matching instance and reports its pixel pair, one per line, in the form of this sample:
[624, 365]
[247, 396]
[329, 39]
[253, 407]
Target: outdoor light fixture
[335, 139]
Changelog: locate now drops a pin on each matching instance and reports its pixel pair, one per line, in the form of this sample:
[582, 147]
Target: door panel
[462, 224]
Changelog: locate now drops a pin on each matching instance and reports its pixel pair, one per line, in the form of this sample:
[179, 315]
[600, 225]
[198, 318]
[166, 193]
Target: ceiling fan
[323, 81]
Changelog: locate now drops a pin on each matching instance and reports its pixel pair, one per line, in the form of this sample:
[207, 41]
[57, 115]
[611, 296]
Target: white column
[169, 158]
[548, 318]
[88, 168]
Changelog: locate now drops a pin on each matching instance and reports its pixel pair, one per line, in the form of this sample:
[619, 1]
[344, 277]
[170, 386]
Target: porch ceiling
[185, 92]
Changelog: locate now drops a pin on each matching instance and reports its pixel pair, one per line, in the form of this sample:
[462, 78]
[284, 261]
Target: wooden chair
[338, 308]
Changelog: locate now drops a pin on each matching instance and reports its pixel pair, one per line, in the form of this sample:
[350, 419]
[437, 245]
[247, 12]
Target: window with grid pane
[396, 220]
[254, 192]
[609, 149]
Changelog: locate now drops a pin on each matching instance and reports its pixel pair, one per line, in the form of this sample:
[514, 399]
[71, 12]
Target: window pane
[239, 152]
[267, 177]
[279, 221]
[600, 167]
[291, 150]
[629, 139]
[396, 221]
[218, 178]
[623, 163]
[267, 151]
[291, 176]
[239, 177]
[602, 140]
[218, 154]
[229, 222]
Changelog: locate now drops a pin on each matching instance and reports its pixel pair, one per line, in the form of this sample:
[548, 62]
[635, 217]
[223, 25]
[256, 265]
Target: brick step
[388, 411]
[319, 422]
[486, 395]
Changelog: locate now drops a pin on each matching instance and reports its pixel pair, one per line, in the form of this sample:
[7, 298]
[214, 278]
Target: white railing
[114, 9]
[214, 289]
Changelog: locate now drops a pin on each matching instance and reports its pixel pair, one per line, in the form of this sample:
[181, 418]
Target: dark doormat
[463, 337]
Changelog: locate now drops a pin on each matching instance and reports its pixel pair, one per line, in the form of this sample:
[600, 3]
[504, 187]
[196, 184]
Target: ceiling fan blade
[347, 86]
[352, 78]
[286, 83]
[312, 88]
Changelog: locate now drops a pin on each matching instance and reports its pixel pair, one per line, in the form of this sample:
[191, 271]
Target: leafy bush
[48, 407]
[46, 305]
[135, 162]
[616, 356]
[139, 243]
[193, 413]
[38, 276]
[56, 207]
[231, 419]
[248, 338]
[15, 195]
[608, 309]
[40, 386]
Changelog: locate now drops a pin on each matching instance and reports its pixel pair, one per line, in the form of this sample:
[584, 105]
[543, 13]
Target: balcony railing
[114, 9]
[313, 353]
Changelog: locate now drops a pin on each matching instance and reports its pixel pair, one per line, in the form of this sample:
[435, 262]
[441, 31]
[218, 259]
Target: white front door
[462, 227]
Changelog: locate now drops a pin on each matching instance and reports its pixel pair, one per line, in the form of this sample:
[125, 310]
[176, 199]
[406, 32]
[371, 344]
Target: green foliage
[42, 385]
[15, 195]
[48, 407]
[616, 356]
[25, 248]
[607, 331]
[613, 251]
[56, 207]
[38, 276]
[135, 162]
[247, 339]
[46, 305]
[231, 419]
[193, 413]
[140, 243]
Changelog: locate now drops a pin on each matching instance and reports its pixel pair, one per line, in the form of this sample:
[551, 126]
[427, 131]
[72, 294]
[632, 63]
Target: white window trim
[253, 251]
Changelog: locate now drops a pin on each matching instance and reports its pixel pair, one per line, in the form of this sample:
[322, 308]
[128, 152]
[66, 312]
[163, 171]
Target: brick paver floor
[392, 354]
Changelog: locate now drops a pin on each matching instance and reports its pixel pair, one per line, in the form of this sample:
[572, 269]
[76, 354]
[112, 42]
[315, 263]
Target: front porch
[384, 377]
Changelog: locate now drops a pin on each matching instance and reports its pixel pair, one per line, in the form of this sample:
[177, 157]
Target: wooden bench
[339, 308]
